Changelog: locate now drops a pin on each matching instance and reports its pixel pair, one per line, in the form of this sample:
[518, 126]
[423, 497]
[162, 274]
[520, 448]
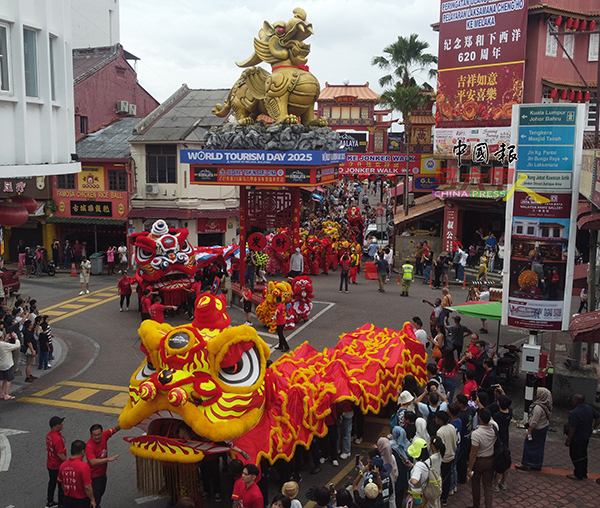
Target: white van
[381, 236]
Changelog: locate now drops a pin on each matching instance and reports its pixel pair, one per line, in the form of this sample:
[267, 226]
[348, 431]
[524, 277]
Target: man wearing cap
[407, 277]
[372, 488]
[57, 454]
[74, 474]
[96, 453]
[296, 264]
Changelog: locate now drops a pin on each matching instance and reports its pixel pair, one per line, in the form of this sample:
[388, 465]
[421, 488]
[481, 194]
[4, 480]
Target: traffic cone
[430, 280]
[73, 270]
[465, 281]
[20, 268]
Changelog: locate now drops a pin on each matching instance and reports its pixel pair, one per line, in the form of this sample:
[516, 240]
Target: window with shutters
[161, 163]
[551, 44]
[4, 64]
[30, 62]
[117, 180]
[593, 49]
[65, 181]
[569, 45]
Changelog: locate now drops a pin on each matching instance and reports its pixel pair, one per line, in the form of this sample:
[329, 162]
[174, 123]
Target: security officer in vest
[407, 277]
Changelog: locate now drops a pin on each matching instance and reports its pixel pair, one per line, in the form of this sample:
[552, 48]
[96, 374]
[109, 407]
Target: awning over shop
[399, 189]
[423, 206]
[586, 327]
[87, 220]
[182, 213]
[589, 222]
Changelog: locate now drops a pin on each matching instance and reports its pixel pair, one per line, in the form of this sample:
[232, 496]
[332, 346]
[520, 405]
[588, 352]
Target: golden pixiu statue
[289, 93]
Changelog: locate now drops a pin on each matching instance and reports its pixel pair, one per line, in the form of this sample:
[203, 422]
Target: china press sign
[481, 62]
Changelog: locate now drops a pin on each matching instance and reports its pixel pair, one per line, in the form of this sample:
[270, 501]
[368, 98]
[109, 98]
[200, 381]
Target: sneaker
[444, 502]
[346, 290]
[81, 293]
[29, 379]
[322, 460]
[344, 456]
[315, 470]
[121, 309]
[358, 440]
[127, 308]
[340, 290]
[218, 498]
[503, 486]
[87, 291]
[49, 366]
[335, 463]
[495, 488]
[51, 504]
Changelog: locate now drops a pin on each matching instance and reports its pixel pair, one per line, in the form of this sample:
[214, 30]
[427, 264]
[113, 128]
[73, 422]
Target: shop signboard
[262, 175]
[212, 225]
[481, 62]
[445, 140]
[541, 216]
[262, 157]
[354, 142]
[425, 183]
[595, 192]
[395, 141]
[388, 164]
[36, 187]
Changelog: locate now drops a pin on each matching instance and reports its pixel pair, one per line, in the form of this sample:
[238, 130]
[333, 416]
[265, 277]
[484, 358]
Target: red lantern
[558, 21]
[583, 25]
[571, 95]
[592, 26]
[586, 96]
[30, 204]
[553, 93]
[569, 24]
[563, 95]
[579, 96]
[576, 24]
[12, 214]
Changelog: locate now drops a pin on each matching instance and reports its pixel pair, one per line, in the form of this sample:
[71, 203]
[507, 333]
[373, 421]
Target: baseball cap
[371, 490]
[297, 249]
[56, 420]
[415, 449]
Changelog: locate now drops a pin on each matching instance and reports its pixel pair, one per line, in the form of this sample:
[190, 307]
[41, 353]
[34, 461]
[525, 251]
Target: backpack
[433, 489]
[432, 426]
[502, 458]
[395, 418]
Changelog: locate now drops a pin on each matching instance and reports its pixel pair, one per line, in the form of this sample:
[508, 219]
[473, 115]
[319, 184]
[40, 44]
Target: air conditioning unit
[152, 188]
[122, 107]
[132, 109]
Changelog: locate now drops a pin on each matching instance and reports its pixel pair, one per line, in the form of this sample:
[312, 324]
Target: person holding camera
[250, 273]
[9, 342]
[372, 488]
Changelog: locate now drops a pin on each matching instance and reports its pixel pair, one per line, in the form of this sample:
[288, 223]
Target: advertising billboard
[481, 62]
[541, 216]
[388, 164]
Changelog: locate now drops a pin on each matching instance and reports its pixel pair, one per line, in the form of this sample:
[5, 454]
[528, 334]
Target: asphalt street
[99, 351]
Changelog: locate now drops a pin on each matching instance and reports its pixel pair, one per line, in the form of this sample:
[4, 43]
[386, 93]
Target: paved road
[99, 351]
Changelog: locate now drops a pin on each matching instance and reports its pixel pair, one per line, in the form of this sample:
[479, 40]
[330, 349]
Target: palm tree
[404, 58]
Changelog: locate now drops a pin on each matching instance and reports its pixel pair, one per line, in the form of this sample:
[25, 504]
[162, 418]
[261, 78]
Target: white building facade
[37, 130]
[95, 23]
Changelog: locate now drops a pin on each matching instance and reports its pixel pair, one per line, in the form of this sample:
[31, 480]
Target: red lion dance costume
[215, 380]
[301, 298]
[356, 224]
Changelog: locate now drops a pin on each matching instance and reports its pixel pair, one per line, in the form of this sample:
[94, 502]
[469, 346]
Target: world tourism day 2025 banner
[540, 236]
[481, 62]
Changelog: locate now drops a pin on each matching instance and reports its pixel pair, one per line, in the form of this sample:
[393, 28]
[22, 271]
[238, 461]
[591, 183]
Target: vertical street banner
[481, 62]
[541, 216]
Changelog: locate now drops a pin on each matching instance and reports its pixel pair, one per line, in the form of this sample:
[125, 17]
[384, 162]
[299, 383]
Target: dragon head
[282, 41]
[165, 257]
[204, 375]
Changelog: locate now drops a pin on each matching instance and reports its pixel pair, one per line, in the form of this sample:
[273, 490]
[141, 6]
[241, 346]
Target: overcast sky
[197, 42]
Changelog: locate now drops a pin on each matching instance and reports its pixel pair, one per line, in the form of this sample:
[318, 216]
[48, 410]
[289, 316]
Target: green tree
[403, 59]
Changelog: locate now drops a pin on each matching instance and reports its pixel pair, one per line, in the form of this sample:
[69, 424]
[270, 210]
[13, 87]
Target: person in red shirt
[146, 303]
[251, 497]
[247, 297]
[57, 454]
[194, 293]
[125, 291]
[74, 474]
[96, 453]
[157, 310]
[280, 319]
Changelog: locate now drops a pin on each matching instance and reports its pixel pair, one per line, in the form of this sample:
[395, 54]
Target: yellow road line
[112, 293]
[82, 310]
[73, 405]
[55, 312]
[80, 394]
[95, 385]
[118, 400]
[44, 311]
[71, 306]
[90, 300]
[46, 391]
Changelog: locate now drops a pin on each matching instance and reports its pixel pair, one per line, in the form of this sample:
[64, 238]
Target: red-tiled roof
[564, 85]
[422, 119]
[423, 205]
[361, 92]
[182, 213]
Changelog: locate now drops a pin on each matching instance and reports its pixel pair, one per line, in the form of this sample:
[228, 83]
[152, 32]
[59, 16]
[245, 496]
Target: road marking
[95, 385]
[119, 400]
[76, 299]
[46, 391]
[145, 499]
[80, 394]
[313, 318]
[70, 314]
[70, 306]
[55, 313]
[5, 451]
[90, 300]
[73, 405]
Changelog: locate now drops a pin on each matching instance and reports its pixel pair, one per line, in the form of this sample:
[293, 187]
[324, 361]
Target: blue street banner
[262, 157]
[541, 215]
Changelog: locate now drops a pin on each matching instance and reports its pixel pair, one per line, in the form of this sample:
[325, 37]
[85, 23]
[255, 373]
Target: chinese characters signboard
[91, 208]
[481, 62]
[541, 216]
[264, 176]
[212, 225]
[388, 164]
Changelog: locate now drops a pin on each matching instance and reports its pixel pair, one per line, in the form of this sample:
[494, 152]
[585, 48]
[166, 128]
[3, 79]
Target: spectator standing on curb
[481, 459]
[84, 275]
[30, 351]
[122, 253]
[29, 259]
[583, 420]
[74, 474]
[96, 453]
[68, 255]
[77, 252]
[22, 249]
[537, 426]
[7, 372]
[57, 454]
[124, 288]
[382, 269]
[56, 252]
[427, 261]
[110, 259]
[461, 264]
